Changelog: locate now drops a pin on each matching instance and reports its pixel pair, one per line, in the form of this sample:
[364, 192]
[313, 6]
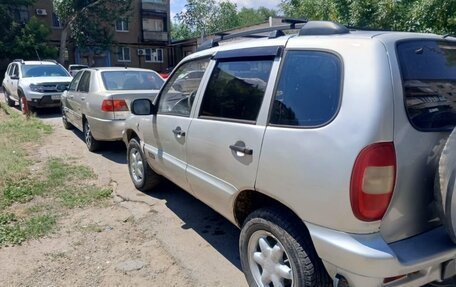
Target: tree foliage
[89, 22]
[204, 17]
[437, 16]
[19, 40]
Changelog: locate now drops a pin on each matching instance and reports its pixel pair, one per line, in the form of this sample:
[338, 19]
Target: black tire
[91, 143]
[8, 100]
[66, 124]
[24, 105]
[280, 231]
[148, 179]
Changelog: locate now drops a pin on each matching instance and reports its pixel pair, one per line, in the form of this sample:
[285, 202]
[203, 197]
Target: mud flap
[445, 187]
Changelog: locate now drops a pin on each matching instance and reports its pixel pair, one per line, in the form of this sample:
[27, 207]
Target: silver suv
[35, 84]
[330, 149]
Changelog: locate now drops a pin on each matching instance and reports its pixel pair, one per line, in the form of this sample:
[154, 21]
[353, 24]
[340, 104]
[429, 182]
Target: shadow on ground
[212, 227]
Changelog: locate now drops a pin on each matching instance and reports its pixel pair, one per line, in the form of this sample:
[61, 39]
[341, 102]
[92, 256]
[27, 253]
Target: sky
[178, 5]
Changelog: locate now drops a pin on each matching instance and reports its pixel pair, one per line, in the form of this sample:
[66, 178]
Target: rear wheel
[8, 100]
[91, 143]
[275, 253]
[143, 177]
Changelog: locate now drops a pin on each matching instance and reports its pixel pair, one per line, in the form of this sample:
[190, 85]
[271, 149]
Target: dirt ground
[165, 238]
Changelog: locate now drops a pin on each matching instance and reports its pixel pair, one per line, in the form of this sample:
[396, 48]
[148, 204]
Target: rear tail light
[117, 105]
[372, 181]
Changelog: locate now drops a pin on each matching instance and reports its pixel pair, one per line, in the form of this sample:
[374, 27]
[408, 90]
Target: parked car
[34, 84]
[324, 147]
[74, 68]
[165, 73]
[98, 101]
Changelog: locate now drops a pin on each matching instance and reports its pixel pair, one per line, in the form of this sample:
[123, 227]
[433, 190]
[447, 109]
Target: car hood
[40, 80]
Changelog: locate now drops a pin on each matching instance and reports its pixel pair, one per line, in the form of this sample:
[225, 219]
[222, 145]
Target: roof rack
[19, 60]
[276, 31]
[306, 27]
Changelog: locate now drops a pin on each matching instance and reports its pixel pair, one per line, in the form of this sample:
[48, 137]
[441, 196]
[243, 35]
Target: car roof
[103, 69]
[384, 36]
[37, 62]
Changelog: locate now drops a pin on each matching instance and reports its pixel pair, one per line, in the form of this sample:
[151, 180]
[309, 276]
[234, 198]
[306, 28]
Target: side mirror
[143, 107]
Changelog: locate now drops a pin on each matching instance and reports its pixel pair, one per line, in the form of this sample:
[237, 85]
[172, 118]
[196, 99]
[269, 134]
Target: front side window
[123, 54]
[84, 84]
[236, 89]
[74, 83]
[44, 71]
[122, 25]
[309, 89]
[428, 69]
[179, 92]
[154, 55]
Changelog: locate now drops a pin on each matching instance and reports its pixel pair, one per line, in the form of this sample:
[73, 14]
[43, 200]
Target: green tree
[204, 17]
[9, 25]
[32, 40]
[437, 16]
[89, 22]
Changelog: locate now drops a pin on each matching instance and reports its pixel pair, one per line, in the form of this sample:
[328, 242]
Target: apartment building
[140, 40]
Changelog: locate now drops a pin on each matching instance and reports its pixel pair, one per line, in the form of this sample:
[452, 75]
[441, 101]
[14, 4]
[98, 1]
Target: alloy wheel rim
[269, 261]
[136, 165]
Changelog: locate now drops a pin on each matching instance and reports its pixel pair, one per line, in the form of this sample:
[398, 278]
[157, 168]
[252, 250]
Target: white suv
[35, 84]
[329, 148]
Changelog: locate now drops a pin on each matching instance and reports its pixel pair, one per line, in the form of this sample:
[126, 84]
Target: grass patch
[30, 205]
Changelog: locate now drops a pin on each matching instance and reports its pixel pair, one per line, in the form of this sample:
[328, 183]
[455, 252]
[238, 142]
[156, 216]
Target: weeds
[30, 205]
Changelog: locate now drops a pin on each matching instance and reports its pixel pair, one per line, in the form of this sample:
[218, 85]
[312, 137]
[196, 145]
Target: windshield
[131, 80]
[428, 70]
[29, 71]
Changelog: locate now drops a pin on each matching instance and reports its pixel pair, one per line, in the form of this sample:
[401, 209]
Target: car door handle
[83, 98]
[70, 96]
[179, 132]
[239, 148]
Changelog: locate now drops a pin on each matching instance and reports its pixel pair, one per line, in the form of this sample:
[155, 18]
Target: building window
[122, 25]
[154, 55]
[153, 25]
[123, 54]
[56, 21]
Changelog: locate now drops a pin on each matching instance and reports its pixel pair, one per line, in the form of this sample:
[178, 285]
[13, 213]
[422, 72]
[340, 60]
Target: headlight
[36, 88]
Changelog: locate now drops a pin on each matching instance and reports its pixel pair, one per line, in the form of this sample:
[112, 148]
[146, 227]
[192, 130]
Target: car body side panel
[309, 169]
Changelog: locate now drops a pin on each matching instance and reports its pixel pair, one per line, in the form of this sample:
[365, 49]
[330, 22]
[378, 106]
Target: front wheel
[274, 252]
[91, 143]
[143, 177]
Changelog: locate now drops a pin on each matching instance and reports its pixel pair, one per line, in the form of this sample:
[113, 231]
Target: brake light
[117, 105]
[372, 181]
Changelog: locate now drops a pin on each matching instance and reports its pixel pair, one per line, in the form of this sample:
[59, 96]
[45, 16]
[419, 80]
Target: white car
[35, 84]
[75, 68]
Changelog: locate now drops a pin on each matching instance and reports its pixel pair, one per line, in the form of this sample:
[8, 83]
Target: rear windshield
[428, 69]
[131, 80]
[29, 71]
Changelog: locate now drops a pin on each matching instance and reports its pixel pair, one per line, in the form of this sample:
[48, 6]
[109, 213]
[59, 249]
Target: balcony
[152, 8]
[155, 36]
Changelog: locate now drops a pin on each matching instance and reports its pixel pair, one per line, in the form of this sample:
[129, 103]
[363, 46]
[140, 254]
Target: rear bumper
[366, 260]
[106, 130]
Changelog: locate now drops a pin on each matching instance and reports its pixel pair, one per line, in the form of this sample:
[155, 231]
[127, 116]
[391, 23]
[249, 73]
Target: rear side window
[235, 90]
[428, 69]
[308, 93]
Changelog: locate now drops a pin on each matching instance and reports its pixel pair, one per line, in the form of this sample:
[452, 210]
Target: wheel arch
[129, 134]
[248, 201]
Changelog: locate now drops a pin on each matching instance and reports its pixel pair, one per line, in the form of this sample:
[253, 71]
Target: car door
[225, 137]
[80, 97]
[14, 81]
[68, 98]
[165, 142]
